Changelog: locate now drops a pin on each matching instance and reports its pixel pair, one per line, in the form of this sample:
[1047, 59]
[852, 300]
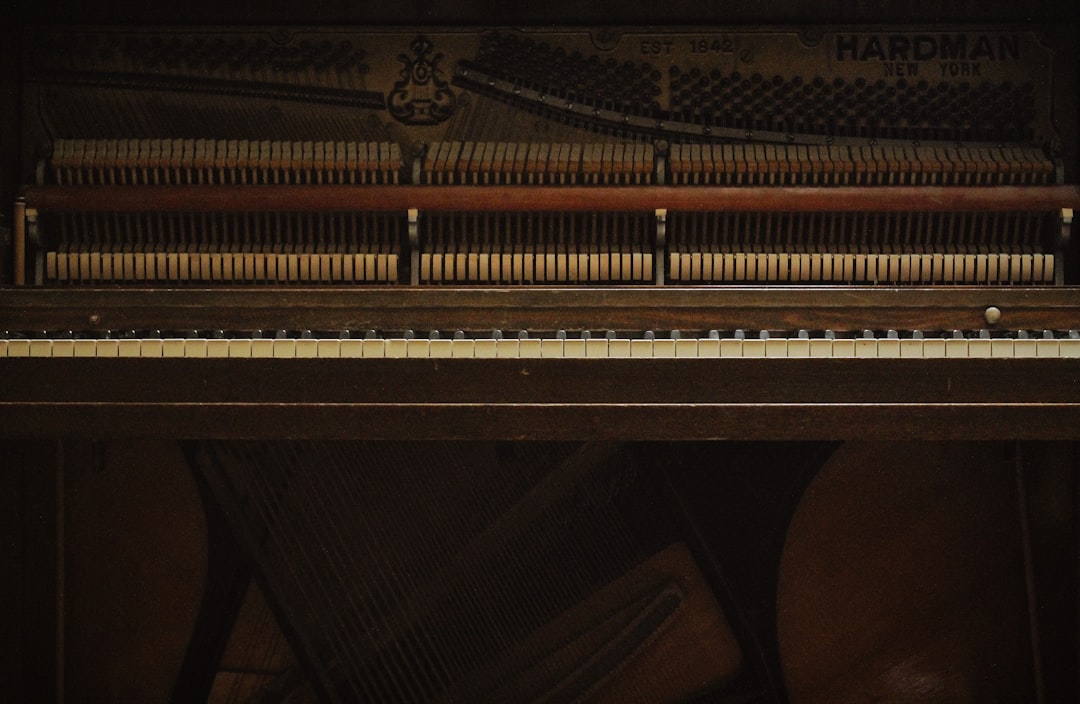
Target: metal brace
[659, 262]
[414, 246]
[1063, 245]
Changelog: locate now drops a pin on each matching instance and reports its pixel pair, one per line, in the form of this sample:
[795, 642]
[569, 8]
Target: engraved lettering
[898, 47]
[656, 47]
[982, 49]
[924, 48]
[954, 48]
[899, 69]
[847, 48]
[928, 47]
[960, 69]
[872, 51]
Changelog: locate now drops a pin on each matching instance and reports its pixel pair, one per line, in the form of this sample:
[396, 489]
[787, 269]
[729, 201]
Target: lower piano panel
[807, 571]
[543, 399]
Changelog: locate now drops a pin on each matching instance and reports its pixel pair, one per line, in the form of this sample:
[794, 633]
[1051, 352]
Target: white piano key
[3, 348]
[730, 347]
[912, 349]
[285, 349]
[63, 348]
[129, 348]
[170, 347]
[328, 349]
[217, 349]
[596, 348]
[1003, 348]
[664, 349]
[708, 348]
[641, 348]
[934, 348]
[441, 349]
[1024, 348]
[351, 349]
[820, 348]
[843, 348]
[753, 348]
[619, 348]
[239, 348]
[396, 348]
[463, 349]
[888, 348]
[373, 349]
[1047, 348]
[19, 348]
[507, 349]
[798, 347]
[305, 348]
[484, 349]
[956, 348]
[531, 348]
[776, 347]
[866, 347]
[262, 348]
[107, 348]
[574, 349]
[41, 348]
[979, 348]
[551, 349]
[686, 348]
[1069, 348]
[418, 349]
[86, 348]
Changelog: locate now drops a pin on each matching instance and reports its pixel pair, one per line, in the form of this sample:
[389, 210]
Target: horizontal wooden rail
[539, 308]
[312, 198]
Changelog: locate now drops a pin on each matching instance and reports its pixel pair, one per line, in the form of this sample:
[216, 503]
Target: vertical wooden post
[19, 254]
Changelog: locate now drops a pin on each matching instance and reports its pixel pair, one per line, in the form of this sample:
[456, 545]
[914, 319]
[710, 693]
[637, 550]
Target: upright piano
[593, 352]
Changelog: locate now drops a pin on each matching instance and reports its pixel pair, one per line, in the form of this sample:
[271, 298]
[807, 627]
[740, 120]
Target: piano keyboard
[867, 345]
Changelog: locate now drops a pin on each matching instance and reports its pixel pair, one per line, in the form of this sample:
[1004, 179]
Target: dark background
[487, 12]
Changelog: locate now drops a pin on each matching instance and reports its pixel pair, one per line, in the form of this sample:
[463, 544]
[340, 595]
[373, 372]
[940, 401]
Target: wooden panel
[543, 399]
[561, 11]
[487, 309]
[32, 567]
[136, 552]
[903, 579]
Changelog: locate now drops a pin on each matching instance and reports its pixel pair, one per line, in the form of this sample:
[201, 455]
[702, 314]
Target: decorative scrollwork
[421, 97]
